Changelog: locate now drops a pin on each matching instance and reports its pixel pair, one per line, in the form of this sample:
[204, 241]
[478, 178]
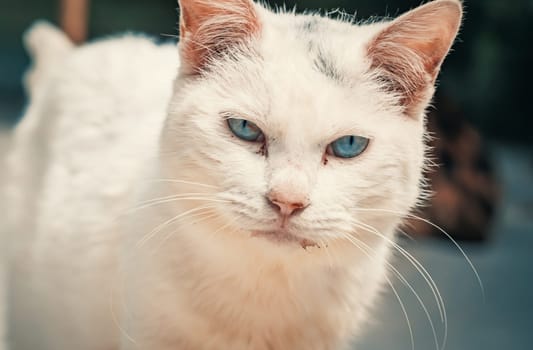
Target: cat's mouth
[282, 236]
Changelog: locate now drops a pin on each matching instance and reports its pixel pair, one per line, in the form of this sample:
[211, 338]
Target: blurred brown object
[74, 17]
[464, 184]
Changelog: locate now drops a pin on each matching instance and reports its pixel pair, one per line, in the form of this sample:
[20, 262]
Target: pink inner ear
[210, 28]
[409, 52]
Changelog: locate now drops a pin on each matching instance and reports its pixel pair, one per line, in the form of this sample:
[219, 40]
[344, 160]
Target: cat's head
[302, 127]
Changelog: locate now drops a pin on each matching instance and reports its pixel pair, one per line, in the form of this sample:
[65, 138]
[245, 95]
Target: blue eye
[245, 130]
[348, 146]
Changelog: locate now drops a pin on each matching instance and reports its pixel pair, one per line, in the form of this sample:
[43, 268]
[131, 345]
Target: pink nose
[287, 204]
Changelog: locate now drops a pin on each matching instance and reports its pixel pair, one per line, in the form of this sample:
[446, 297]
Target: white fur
[98, 134]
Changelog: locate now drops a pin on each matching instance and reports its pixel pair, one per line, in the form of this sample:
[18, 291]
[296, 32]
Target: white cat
[248, 204]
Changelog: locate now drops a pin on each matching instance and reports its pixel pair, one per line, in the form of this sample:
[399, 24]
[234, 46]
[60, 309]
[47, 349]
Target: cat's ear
[209, 28]
[408, 53]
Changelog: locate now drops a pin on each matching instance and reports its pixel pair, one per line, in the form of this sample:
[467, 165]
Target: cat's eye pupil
[348, 146]
[245, 130]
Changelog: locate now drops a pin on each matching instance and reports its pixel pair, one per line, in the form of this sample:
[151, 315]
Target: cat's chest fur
[233, 294]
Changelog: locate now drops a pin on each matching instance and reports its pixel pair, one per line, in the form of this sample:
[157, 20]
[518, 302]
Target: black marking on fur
[310, 25]
[321, 61]
[326, 66]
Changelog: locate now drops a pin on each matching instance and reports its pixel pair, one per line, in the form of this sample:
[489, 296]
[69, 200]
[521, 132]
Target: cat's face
[301, 136]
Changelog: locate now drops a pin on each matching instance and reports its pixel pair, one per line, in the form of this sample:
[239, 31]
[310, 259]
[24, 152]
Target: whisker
[410, 287]
[202, 217]
[174, 198]
[405, 313]
[416, 217]
[423, 272]
[158, 228]
[223, 227]
[179, 195]
[402, 306]
[115, 318]
[186, 182]
[405, 234]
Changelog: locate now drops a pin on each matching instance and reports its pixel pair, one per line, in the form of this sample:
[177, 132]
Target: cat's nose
[287, 203]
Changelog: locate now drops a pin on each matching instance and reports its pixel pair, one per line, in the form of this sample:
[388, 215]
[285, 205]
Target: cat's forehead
[296, 47]
[305, 81]
[314, 70]
[317, 36]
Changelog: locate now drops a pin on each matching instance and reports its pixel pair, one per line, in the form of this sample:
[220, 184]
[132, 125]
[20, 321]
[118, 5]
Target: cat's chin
[284, 237]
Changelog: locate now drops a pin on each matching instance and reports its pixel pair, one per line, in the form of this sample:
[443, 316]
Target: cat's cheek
[259, 148]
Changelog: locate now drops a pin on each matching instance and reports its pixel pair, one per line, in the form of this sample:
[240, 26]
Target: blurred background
[484, 194]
